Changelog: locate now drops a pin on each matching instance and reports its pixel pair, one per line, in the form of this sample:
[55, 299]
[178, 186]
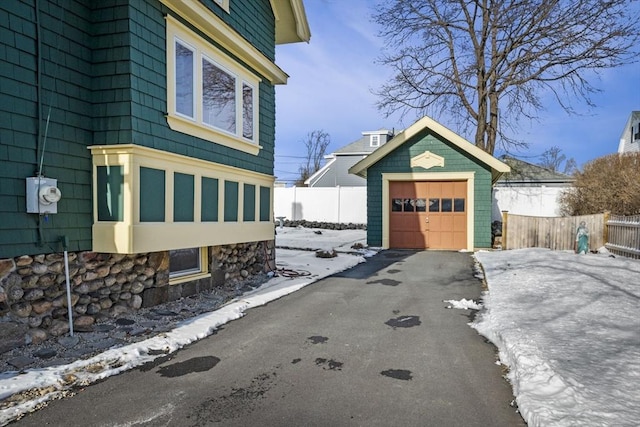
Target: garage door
[428, 215]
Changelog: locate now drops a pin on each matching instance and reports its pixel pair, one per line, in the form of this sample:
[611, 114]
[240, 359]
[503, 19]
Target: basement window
[187, 264]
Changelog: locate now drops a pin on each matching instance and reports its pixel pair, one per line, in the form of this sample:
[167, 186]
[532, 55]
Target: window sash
[185, 80]
[227, 101]
[185, 262]
[218, 97]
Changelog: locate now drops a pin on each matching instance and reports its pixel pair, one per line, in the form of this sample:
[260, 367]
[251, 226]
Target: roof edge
[292, 25]
[498, 168]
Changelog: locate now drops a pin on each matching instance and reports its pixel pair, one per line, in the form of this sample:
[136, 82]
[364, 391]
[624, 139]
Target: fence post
[338, 204]
[505, 217]
[605, 229]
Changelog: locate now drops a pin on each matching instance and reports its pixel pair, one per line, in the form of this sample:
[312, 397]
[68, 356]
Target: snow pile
[568, 327]
[463, 304]
[320, 239]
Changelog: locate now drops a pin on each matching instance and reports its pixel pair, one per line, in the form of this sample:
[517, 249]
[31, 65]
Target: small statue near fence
[582, 239]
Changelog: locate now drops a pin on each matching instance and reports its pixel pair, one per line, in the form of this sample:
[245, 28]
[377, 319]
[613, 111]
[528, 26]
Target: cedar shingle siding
[103, 82]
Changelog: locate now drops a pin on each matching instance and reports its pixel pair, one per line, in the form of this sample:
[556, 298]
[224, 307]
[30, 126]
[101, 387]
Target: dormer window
[374, 140]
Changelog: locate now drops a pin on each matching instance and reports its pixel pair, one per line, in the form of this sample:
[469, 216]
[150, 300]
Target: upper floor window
[210, 96]
[375, 140]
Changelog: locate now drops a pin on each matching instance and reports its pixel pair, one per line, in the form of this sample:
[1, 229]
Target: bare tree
[316, 144]
[487, 63]
[553, 159]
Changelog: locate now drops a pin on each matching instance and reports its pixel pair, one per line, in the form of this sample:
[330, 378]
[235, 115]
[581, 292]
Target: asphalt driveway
[371, 346]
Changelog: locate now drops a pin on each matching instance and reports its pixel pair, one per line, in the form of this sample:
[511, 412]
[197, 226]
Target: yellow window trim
[206, 21]
[188, 278]
[469, 177]
[202, 274]
[132, 236]
[195, 126]
[192, 128]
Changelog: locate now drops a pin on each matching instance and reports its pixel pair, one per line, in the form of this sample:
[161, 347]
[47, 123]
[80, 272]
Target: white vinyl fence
[341, 205]
[624, 235]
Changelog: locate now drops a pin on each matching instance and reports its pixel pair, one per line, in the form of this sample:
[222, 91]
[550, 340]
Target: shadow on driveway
[378, 262]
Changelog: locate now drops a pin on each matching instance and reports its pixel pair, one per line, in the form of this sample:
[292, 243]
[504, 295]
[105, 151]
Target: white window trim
[375, 138]
[194, 126]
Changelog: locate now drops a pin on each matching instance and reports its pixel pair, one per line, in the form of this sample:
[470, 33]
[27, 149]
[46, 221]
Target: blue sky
[331, 79]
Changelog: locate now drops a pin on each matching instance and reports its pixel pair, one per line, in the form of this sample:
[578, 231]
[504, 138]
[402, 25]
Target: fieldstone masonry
[33, 298]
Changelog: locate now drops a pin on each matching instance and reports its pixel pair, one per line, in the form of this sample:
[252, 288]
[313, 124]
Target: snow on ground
[568, 328]
[31, 388]
[315, 239]
[463, 304]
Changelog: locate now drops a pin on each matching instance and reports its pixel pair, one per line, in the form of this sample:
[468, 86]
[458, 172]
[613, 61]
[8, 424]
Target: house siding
[103, 82]
[66, 111]
[338, 173]
[456, 160]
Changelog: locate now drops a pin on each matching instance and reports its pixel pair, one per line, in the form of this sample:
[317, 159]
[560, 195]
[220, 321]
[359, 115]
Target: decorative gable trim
[427, 160]
[497, 167]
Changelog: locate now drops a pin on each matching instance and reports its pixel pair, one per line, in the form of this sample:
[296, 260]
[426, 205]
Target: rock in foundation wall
[33, 288]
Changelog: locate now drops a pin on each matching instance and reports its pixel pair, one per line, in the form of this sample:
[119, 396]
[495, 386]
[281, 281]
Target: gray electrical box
[42, 195]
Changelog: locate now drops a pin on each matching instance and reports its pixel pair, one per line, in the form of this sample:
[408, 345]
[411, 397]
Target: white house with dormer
[335, 172]
[630, 138]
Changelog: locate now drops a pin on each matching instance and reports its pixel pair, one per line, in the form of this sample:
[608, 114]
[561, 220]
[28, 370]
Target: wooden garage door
[428, 215]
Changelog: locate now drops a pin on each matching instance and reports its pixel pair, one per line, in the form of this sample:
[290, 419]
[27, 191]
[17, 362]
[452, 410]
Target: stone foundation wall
[33, 288]
[324, 225]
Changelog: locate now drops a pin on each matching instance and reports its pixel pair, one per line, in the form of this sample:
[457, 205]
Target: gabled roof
[362, 145]
[525, 172]
[291, 21]
[497, 167]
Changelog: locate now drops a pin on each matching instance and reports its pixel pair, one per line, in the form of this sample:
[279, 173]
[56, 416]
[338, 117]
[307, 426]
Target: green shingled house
[429, 188]
[138, 135]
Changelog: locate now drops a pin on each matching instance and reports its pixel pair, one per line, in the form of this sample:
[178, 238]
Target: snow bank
[568, 327]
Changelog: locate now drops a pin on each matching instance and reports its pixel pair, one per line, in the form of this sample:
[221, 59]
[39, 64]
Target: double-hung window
[210, 95]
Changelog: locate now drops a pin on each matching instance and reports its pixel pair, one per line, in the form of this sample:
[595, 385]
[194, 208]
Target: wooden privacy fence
[624, 235]
[557, 233]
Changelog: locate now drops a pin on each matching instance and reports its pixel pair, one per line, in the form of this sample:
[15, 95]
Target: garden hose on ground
[270, 263]
[285, 272]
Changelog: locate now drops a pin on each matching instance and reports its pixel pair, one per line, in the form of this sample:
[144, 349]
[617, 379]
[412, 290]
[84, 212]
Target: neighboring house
[529, 190]
[429, 188]
[139, 136]
[335, 173]
[630, 138]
